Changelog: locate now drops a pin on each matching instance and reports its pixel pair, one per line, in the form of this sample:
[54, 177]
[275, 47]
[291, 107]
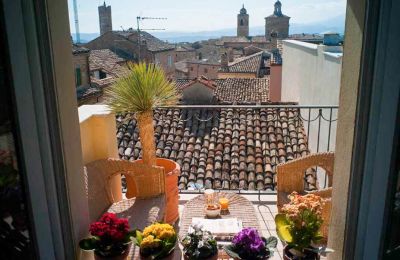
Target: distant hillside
[86, 37]
[333, 24]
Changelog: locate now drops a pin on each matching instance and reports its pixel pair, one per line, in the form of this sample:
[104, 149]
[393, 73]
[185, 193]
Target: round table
[239, 207]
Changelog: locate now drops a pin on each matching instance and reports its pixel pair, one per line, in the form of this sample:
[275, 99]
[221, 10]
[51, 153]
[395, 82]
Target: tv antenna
[141, 18]
[77, 34]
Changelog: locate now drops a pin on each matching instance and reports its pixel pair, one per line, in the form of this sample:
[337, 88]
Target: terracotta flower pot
[124, 256]
[214, 257]
[310, 255]
[172, 171]
[170, 256]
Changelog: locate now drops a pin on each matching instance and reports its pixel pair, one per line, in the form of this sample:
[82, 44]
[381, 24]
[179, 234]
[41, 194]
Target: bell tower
[277, 23]
[105, 18]
[243, 23]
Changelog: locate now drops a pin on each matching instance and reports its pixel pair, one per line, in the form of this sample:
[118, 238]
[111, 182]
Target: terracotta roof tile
[153, 43]
[247, 64]
[243, 90]
[108, 62]
[235, 149]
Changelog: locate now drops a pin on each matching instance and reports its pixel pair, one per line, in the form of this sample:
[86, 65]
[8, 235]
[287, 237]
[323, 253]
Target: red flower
[108, 218]
[98, 229]
[110, 228]
[122, 225]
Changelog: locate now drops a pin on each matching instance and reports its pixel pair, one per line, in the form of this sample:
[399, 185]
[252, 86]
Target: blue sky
[200, 15]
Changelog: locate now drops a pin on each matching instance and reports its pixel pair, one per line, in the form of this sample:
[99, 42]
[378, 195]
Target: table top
[239, 207]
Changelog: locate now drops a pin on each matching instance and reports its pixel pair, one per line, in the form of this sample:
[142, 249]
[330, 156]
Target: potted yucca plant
[141, 90]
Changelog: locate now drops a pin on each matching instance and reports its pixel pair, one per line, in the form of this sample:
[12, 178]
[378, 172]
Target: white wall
[311, 76]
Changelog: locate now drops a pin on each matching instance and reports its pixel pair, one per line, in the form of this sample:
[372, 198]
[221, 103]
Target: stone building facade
[126, 45]
[243, 23]
[105, 20]
[198, 68]
[184, 53]
[80, 59]
[277, 24]
[86, 92]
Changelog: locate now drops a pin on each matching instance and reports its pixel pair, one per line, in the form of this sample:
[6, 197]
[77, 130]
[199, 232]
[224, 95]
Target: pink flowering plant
[299, 224]
[248, 244]
[110, 236]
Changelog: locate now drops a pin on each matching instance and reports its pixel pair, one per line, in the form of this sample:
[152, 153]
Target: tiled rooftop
[243, 90]
[76, 49]
[247, 64]
[108, 62]
[153, 43]
[236, 90]
[223, 149]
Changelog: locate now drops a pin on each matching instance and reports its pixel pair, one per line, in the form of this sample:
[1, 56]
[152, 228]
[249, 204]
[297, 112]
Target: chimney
[275, 78]
[230, 55]
[224, 60]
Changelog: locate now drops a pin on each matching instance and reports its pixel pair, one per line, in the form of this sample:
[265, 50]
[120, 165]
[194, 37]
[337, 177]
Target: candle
[224, 202]
[209, 194]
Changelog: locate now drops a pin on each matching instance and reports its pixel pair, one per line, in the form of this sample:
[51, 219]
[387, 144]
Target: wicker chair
[290, 177]
[146, 208]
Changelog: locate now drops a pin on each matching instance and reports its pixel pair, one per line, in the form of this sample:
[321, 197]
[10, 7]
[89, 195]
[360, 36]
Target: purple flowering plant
[248, 244]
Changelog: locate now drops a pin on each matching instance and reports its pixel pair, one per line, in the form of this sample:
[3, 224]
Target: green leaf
[271, 242]
[280, 219]
[138, 237]
[283, 228]
[230, 251]
[88, 243]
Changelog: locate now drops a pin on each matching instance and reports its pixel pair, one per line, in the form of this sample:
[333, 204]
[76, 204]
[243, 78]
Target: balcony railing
[236, 147]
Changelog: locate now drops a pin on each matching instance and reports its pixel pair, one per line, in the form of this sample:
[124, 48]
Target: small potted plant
[299, 226]
[248, 244]
[157, 241]
[199, 244]
[110, 238]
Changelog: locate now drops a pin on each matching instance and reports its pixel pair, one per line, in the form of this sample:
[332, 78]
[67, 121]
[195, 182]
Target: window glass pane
[15, 241]
[393, 235]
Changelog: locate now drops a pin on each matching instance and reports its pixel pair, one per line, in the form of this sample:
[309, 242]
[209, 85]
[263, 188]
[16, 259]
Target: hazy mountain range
[333, 24]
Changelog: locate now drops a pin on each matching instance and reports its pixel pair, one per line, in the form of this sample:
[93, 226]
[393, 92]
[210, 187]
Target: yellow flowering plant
[156, 241]
[299, 223]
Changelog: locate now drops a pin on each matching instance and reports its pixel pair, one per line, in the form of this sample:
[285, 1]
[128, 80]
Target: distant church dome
[243, 10]
[278, 8]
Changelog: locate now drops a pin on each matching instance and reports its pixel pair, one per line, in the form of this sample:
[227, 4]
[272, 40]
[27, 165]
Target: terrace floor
[265, 208]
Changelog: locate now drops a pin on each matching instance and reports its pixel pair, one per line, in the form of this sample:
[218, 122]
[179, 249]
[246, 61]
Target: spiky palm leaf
[142, 89]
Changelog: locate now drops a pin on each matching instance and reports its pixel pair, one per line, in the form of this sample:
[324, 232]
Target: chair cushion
[140, 212]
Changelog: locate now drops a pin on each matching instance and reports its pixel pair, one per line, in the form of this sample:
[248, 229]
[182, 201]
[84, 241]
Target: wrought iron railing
[319, 123]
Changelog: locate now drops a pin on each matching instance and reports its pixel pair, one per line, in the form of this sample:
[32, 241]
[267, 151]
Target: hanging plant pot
[308, 255]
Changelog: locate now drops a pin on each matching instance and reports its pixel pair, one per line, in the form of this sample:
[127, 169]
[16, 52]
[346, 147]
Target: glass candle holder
[209, 197]
[224, 202]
